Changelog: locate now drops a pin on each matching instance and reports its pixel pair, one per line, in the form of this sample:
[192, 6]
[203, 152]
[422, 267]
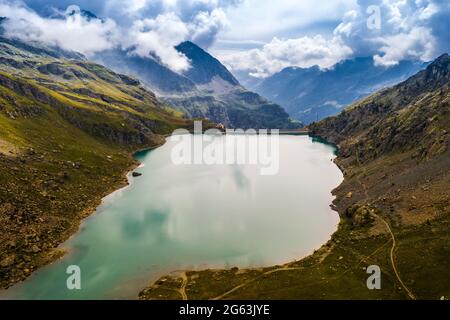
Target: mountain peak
[189, 44]
[204, 66]
[74, 10]
[443, 61]
[310, 94]
[436, 74]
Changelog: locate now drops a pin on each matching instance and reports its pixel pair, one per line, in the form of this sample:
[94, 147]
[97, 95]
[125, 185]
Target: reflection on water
[241, 180]
[185, 216]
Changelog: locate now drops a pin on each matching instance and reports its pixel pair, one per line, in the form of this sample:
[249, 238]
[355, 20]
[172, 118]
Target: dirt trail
[284, 268]
[287, 268]
[392, 252]
[182, 289]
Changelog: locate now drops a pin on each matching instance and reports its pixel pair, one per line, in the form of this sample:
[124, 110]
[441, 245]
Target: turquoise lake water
[197, 216]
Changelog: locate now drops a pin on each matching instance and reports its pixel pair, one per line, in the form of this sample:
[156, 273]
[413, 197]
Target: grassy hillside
[67, 131]
[394, 205]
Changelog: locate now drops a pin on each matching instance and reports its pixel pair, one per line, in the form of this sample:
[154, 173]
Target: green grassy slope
[67, 131]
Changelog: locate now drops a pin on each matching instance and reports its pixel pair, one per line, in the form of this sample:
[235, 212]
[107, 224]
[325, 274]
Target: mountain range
[69, 127]
[412, 116]
[311, 94]
[206, 90]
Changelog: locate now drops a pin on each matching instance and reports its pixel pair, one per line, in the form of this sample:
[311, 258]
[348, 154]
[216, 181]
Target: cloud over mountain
[69, 30]
[146, 28]
[287, 32]
[388, 30]
[279, 54]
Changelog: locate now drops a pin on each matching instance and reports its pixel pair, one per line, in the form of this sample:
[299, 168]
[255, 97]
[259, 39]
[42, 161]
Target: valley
[312, 94]
[70, 132]
[207, 90]
[394, 206]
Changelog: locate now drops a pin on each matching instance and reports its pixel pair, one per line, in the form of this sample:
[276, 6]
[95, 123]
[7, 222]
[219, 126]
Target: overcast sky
[260, 37]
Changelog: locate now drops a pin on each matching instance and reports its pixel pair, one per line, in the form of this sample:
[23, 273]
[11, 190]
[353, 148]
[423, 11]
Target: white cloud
[74, 32]
[134, 6]
[279, 54]
[263, 20]
[418, 43]
[346, 27]
[159, 36]
[206, 25]
[249, 31]
[148, 27]
[408, 30]
[428, 12]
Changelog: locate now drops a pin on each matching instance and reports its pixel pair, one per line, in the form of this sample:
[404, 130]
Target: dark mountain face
[312, 94]
[206, 90]
[156, 76]
[238, 109]
[204, 66]
[411, 116]
[204, 69]
[84, 13]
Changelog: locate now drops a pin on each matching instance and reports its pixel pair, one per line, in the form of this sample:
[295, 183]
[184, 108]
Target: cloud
[279, 54]
[148, 28]
[418, 43]
[206, 25]
[263, 20]
[260, 37]
[408, 29]
[403, 30]
[73, 31]
[158, 37]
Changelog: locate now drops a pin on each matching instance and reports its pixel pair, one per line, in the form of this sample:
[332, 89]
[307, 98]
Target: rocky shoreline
[39, 258]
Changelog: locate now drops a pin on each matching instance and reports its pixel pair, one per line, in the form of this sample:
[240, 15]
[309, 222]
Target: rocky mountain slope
[394, 203]
[411, 116]
[311, 94]
[67, 130]
[207, 89]
[149, 71]
[204, 67]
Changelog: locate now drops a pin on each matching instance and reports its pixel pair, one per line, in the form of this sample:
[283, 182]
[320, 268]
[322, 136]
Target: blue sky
[258, 37]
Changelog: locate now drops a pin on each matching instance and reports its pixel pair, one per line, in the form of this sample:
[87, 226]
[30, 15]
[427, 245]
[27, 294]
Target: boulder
[7, 261]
